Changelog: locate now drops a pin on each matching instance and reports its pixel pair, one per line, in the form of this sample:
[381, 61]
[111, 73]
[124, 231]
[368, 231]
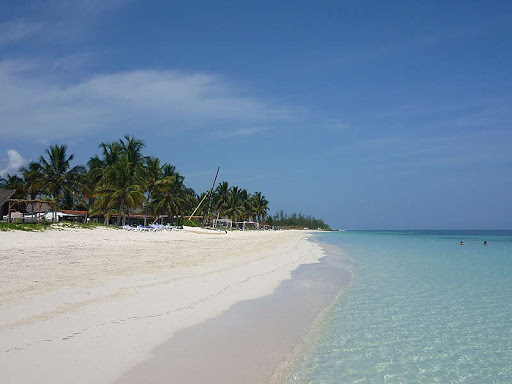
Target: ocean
[420, 308]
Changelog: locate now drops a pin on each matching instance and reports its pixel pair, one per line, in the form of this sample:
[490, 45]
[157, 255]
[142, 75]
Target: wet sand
[248, 342]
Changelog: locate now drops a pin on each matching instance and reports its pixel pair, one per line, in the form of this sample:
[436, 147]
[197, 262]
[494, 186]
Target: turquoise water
[420, 309]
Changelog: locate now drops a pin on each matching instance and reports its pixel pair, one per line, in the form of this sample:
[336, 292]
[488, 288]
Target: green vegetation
[122, 181]
[78, 225]
[29, 227]
[297, 221]
[32, 227]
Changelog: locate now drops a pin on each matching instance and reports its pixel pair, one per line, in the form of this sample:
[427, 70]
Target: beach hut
[73, 215]
[264, 226]
[31, 210]
[5, 195]
[223, 223]
[244, 225]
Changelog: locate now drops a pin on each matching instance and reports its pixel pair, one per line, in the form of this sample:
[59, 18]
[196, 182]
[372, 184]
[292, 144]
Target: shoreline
[88, 305]
[255, 341]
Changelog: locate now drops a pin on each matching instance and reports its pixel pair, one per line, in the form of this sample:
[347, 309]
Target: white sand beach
[84, 306]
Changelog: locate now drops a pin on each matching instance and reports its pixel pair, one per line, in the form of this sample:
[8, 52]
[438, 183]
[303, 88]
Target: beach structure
[5, 195]
[245, 225]
[36, 210]
[223, 223]
[74, 215]
[264, 226]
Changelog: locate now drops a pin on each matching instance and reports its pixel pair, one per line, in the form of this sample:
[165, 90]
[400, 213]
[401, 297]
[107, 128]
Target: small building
[30, 211]
[5, 195]
[224, 223]
[245, 225]
[73, 216]
[132, 219]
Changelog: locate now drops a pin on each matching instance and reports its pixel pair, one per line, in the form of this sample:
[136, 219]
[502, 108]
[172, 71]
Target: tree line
[300, 221]
[122, 181]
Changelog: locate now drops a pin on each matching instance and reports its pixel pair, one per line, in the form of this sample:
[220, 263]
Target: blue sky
[369, 114]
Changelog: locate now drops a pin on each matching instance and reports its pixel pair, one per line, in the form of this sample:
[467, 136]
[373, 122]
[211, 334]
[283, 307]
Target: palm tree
[235, 206]
[168, 170]
[110, 151]
[87, 190]
[56, 175]
[17, 183]
[221, 196]
[32, 175]
[260, 205]
[122, 187]
[120, 176]
[153, 174]
[171, 194]
[132, 148]
[167, 197]
[246, 203]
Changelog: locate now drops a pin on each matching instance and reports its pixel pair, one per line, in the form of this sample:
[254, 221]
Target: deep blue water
[420, 309]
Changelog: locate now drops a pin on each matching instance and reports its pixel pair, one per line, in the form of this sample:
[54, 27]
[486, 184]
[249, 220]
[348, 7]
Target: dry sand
[84, 306]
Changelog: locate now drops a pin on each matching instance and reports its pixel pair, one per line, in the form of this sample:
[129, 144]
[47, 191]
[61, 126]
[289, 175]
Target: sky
[368, 114]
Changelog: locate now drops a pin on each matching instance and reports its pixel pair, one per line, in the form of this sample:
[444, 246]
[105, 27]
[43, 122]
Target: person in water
[462, 243]
[485, 242]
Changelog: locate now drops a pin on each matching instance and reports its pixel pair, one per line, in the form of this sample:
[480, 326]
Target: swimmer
[462, 243]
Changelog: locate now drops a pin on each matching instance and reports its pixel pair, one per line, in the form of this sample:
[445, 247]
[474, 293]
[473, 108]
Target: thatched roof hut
[5, 194]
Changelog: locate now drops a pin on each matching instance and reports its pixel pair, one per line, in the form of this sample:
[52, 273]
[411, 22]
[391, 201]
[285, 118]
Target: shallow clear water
[420, 309]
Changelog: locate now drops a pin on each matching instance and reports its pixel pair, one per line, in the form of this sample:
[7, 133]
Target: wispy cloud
[242, 132]
[16, 30]
[48, 22]
[337, 125]
[163, 101]
[72, 62]
[88, 6]
[409, 154]
[12, 163]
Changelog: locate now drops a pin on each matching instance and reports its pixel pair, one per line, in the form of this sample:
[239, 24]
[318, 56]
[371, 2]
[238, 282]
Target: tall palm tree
[122, 187]
[221, 197]
[87, 191]
[56, 174]
[32, 177]
[235, 207]
[120, 166]
[168, 170]
[259, 205]
[110, 151]
[172, 195]
[152, 175]
[17, 183]
[167, 197]
[132, 148]
[246, 203]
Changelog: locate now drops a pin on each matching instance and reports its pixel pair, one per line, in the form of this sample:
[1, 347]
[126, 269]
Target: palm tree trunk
[119, 215]
[87, 213]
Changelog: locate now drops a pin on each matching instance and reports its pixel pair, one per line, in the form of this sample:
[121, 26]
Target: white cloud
[12, 164]
[162, 101]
